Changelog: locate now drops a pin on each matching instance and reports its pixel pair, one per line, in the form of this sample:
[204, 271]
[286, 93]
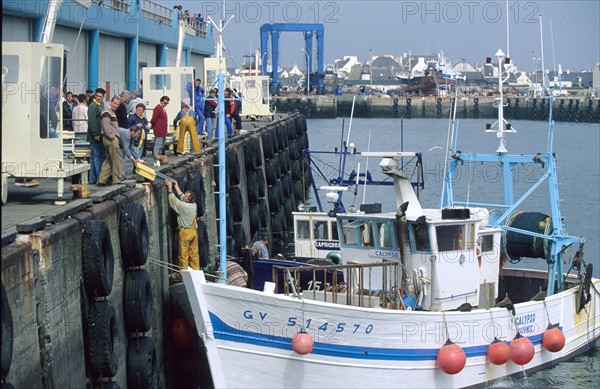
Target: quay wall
[569, 109]
[42, 270]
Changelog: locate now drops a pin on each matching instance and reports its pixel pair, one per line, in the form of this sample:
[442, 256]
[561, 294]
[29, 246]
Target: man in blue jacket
[196, 93]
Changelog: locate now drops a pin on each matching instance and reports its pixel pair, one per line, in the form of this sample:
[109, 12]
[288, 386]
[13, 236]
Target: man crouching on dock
[184, 204]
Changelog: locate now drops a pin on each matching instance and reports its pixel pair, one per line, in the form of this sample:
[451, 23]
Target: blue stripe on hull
[224, 332]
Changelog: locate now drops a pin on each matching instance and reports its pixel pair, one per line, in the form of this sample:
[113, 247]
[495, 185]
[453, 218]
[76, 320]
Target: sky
[467, 29]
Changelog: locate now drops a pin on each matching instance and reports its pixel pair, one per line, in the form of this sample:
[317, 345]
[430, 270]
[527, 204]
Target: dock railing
[156, 12]
[362, 285]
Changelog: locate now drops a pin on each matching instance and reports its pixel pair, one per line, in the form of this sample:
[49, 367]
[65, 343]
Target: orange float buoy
[498, 352]
[553, 339]
[182, 332]
[302, 343]
[451, 358]
[521, 350]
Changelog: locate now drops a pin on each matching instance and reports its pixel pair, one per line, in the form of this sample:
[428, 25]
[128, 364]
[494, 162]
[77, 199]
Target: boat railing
[156, 12]
[363, 285]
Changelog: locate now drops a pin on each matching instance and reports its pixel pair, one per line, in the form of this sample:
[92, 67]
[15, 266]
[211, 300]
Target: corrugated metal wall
[113, 63]
[77, 58]
[16, 29]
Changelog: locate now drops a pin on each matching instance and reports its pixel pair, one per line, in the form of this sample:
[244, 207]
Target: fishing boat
[427, 298]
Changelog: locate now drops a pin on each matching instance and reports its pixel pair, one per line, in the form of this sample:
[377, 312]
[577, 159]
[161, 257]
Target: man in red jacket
[160, 124]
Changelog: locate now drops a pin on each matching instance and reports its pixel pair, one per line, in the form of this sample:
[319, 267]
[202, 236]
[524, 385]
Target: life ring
[142, 371]
[133, 233]
[97, 259]
[102, 339]
[137, 300]
[7, 334]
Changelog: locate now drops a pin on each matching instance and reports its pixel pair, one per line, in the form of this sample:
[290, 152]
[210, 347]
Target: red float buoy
[553, 339]
[451, 358]
[521, 350]
[302, 343]
[182, 332]
[498, 352]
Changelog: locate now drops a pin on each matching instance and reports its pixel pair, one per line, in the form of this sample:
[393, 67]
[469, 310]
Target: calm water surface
[577, 147]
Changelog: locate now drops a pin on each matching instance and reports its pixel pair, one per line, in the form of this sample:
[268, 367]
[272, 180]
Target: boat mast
[221, 140]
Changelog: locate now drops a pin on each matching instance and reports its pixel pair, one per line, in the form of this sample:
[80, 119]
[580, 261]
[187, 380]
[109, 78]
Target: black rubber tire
[289, 206]
[203, 244]
[252, 187]
[298, 191]
[278, 168]
[239, 238]
[294, 153]
[286, 187]
[260, 183]
[142, 369]
[286, 160]
[298, 126]
[282, 218]
[97, 259]
[7, 334]
[274, 198]
[216, 176]
[263, 213]
[271, 172]
[102, 339]
[295, 170]
[237, 204]
[182, 182]
[106, 385]
[292, 135]
[196, 185]
[249, 155]
[133, 234]
[257, 154]
[233, 167]
[253, 211]
[137, 300]
[229, 218]
[267, 144]
[280, 192]
[276, 224]
[274, 140]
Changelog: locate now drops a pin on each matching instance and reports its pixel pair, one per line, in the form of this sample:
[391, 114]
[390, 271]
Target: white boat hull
[248, 335]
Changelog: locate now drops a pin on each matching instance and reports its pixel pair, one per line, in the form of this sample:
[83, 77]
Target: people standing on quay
[89, 96]
[237, 109]
[133, 102]
[229, 111]
[160, 124]
[67, 111]
[210, 108]
[94, 136]
[80, 116]
[139, 120]
[112, 165]
[184, 204]
[186, 118]
[196, 93]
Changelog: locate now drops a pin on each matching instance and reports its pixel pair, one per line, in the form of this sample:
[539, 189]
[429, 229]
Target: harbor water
[577, 147]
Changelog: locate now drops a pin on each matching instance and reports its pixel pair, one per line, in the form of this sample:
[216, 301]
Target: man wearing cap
[196, 93]
[187, 123]
[259, 249]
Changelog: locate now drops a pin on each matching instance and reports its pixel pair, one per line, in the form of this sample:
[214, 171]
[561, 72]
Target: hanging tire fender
[103, 339]
[142, 370]
[137, 300]
[133, 234]
[97, 259]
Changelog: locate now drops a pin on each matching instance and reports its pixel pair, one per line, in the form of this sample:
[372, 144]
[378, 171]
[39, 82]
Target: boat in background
[426, 299]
